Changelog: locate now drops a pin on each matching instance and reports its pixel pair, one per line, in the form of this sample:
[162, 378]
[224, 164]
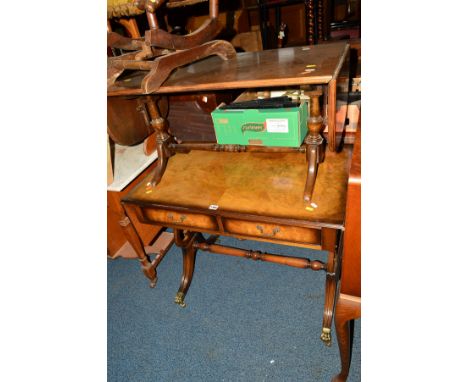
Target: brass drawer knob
[273, 232]
[170, 216]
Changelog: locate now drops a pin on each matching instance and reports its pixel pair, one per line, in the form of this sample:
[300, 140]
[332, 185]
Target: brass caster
[153, 283]
[179, 299]
[326, 336]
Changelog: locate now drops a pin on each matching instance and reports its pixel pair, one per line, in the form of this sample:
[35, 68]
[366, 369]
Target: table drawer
[176, 218]
[273, 231]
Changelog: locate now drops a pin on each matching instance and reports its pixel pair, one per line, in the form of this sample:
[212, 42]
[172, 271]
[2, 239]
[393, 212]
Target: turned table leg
[347, 308]
[147, 266]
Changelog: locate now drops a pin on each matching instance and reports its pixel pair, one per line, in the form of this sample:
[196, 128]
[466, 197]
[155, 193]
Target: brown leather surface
[266, 184]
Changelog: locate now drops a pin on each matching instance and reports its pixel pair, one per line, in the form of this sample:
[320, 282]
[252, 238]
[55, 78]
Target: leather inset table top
[265, 184]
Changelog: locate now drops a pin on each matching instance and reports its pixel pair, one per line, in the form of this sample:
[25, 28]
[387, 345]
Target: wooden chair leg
[130, 26]
[346, 310]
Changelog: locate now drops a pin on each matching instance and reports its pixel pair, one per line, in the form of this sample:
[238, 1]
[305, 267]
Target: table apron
[241, 227]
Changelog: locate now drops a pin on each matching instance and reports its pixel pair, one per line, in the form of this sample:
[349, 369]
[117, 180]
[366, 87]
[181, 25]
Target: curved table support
[313, 156]
[152, 116]
[331, 282]
[331, 242]
[347, 308]
[186, 240]
[163, 157]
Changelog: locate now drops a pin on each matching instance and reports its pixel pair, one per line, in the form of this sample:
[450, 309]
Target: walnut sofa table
[256, 196]
[249, 192]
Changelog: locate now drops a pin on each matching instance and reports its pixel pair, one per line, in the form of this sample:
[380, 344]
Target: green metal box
[285, 127]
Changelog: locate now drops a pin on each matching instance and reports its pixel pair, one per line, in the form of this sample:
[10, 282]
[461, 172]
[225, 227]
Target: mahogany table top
[314, 64]
[265, 184]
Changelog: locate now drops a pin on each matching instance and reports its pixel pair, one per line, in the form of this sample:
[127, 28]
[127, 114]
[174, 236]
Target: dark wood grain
[349, 300]
[351, 274]
[320, 64]
[186, 242]
[331, 113]
[347, 308]
[197, 109]
[331, 240]
[163, 39]
[276, 67]
[297, 262]
[118, 41]
[127, 123]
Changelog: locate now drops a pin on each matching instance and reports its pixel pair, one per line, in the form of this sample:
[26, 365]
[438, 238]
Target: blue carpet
[244, 321]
